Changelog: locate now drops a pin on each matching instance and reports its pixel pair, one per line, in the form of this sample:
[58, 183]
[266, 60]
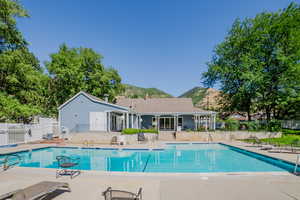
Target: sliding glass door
[166, 123]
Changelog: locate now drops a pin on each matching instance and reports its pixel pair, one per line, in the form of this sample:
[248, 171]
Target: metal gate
[16, 134]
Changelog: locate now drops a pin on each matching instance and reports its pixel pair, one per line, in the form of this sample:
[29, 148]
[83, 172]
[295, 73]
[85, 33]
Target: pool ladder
[209, 137]
[297, 164]
[7, 165]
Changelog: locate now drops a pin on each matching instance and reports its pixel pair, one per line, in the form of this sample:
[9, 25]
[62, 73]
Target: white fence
[11, 133]
[291, 124]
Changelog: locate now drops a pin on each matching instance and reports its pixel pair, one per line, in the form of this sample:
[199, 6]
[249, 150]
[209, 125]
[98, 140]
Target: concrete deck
[158, 186]
[89, 185]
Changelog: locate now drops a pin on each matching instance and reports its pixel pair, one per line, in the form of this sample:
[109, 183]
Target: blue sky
[152, 43]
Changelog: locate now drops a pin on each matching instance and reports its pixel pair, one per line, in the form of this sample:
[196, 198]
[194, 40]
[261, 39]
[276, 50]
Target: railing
[291, 124]
[7, 164]
[209, 137]
[297, 164]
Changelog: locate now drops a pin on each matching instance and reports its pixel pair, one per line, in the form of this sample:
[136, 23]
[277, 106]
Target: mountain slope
[132, 91]
[196, 93]
[205, 98]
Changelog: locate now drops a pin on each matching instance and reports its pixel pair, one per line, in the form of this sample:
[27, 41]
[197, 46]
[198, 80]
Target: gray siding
[188, 122]
[147, 121]
[75, 114]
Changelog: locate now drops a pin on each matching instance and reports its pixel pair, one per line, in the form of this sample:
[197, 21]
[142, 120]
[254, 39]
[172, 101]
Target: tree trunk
[268, 113]
[249, 115]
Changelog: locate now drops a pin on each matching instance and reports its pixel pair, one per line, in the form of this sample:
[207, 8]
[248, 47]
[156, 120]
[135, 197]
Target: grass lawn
[286, 140]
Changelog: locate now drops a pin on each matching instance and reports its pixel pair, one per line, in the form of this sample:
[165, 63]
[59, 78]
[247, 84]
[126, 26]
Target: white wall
[45, 125]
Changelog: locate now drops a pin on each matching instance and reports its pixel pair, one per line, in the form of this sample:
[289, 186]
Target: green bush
[273, 125]
[148, 131]
[251, 126]
[130, 131]
[201, 129]
[231, 125]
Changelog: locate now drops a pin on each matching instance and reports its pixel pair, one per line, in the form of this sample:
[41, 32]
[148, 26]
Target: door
[166, 123]
[98, 121]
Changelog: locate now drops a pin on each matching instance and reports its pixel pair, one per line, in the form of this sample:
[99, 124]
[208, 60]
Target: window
[153, 120]
[179, 121]
[154, 123]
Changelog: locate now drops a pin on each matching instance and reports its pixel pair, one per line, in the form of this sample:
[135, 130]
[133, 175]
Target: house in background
[85, 112]
[169, 114]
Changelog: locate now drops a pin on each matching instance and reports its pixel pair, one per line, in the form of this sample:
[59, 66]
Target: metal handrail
[209, 137]
[6, 165]
[297, 164]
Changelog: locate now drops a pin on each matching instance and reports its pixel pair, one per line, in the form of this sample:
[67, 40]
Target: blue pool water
[174, 158]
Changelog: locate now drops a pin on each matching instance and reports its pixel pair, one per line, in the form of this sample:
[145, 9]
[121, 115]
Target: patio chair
[66, 165]
[141, 137]
[114, 140]
[48, 136]
[111, 194]
[255, 142]
[37, 191]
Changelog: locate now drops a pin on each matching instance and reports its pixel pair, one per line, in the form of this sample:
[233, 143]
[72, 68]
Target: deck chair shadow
[110, 194]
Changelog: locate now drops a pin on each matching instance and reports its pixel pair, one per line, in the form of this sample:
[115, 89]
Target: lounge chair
[256, 142]
[37, 191]
[111, 194]
[66, 165]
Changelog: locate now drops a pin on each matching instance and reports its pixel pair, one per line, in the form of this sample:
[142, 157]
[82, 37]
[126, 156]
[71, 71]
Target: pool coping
[167, 174]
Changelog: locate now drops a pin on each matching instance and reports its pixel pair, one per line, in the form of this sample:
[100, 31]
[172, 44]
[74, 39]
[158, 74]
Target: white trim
[59, 122]
[205, 113]
[94, 100]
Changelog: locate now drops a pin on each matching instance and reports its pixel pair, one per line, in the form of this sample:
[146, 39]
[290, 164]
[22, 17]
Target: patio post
[124, 120]
[127, 120]
[175, 128]
[195, 121]
[131, 120]
[206, 123]
[140, 121]
[108, 122]
[214, 122]
[158, 124]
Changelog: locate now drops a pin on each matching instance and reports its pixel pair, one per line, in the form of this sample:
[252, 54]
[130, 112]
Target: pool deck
[161, 186]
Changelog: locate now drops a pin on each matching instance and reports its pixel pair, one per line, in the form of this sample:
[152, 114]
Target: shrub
[148, 131]
[231, 125]
[201, 129]
[251, 126]
[273, 126]
[130, 131]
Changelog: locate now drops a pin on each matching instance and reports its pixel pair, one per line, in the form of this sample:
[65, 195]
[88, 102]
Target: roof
[160, 105]
[92, 98]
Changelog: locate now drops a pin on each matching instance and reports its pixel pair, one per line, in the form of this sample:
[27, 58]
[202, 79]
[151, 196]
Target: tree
[235, 68]
[10, 36]
[75, 69]
[22, 81]
[257, 65]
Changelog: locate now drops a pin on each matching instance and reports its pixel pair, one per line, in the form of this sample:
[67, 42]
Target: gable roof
[159, 105]
[92, 98]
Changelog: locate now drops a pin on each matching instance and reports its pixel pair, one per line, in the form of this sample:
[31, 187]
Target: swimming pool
[180, 158]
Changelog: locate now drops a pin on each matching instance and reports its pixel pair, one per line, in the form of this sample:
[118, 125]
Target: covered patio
[168, 114]
[179, 121]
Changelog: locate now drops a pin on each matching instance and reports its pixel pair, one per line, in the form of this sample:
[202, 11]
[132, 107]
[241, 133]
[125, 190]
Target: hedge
[130, 131]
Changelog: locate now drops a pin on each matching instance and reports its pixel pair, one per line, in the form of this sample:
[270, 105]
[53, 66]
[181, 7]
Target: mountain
[132, 91]
[205, 98]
